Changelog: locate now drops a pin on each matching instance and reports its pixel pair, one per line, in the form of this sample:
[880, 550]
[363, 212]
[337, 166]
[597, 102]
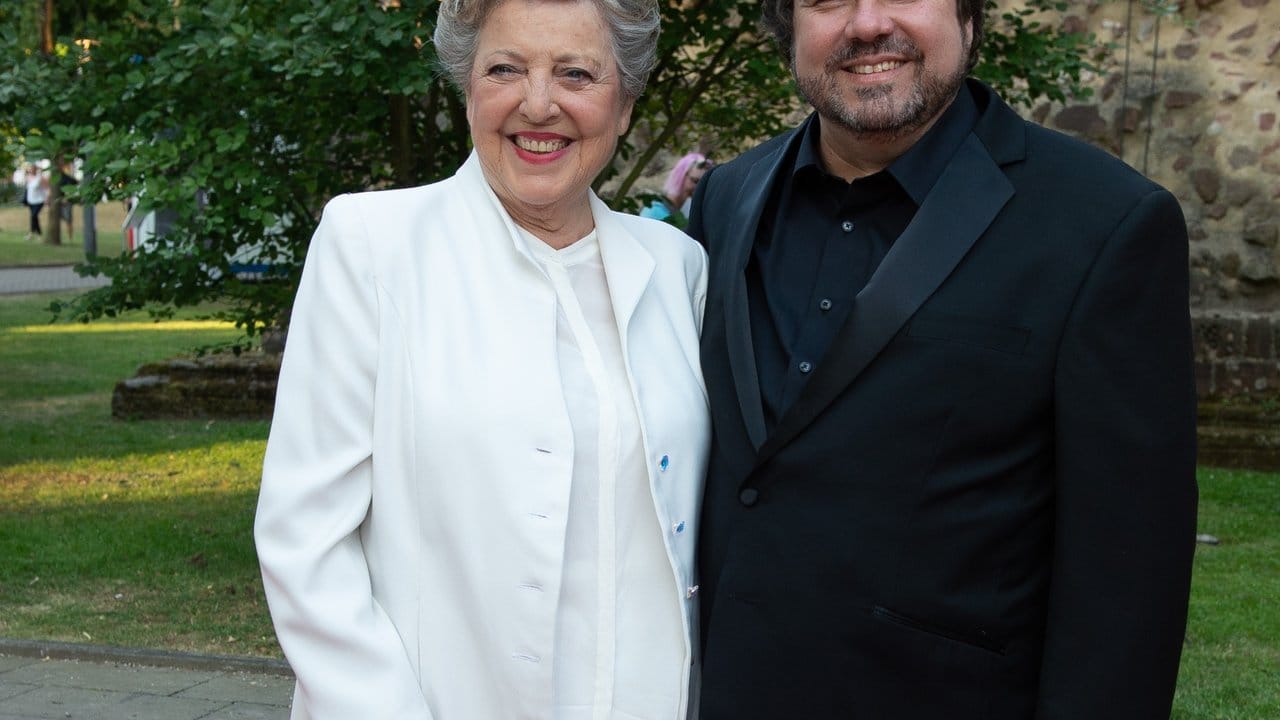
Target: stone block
[1259, 338]
[1244, 33]
[1175, 99]
[1083, 120]
[1237, 192]
[1251, 377]
[1207, 183]
[1266, 121]
[1204, 380]
[1259, 266]
[1242, 156]
[1261, 233]
[219, 386]
[1239, 433]
[1216, 336]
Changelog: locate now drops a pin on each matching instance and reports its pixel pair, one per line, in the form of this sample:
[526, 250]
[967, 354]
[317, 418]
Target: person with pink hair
[678, 189]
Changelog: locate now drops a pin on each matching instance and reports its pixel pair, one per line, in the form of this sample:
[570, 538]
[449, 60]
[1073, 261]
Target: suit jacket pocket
[969, 331]
[978, 642]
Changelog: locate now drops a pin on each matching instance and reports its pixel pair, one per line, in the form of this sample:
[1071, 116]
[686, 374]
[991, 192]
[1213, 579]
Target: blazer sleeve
[1125, 498]
[316, 486]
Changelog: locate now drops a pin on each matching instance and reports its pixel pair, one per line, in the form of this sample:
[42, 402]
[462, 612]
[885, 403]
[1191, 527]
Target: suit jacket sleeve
[316, 487]
[697, 209]
[1125, 506]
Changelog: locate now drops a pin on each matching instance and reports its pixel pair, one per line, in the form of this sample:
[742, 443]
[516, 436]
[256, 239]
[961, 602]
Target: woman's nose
[539, 105]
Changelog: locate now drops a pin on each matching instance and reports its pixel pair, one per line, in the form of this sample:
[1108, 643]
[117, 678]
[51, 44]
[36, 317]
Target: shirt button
[824, 304]
[805, 367]
[749, 496]
[846, 226]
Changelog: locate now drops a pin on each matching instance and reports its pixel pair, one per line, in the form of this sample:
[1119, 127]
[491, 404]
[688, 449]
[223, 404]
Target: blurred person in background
[678, 190]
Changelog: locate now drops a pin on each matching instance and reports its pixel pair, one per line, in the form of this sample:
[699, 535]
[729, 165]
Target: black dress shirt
[819, 241]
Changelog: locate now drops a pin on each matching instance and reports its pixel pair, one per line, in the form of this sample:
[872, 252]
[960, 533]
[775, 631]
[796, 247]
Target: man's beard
[877, 111]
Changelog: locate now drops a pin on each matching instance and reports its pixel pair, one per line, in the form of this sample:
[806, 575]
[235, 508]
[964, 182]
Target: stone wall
[1192, 100]
[1195, 107]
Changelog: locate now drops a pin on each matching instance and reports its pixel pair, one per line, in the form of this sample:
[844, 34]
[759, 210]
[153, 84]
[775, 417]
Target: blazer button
[749, 496]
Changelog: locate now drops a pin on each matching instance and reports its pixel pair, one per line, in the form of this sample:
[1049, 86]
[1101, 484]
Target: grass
[16, 250]
[139, 533]
[1231, 658]
[121, 533]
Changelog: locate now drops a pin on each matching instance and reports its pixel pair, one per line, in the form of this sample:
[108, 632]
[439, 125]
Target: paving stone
[45, 279]
[8, 663]
[10, 689]
[248, 711]
[142, 706]
[95, 676]
[259, 689]
[66, 703]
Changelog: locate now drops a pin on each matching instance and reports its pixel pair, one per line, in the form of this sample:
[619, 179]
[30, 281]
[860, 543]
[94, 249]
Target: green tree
[244, 118]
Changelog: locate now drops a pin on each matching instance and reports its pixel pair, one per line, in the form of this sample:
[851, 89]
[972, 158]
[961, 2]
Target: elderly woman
[483, 479]
[678, 189]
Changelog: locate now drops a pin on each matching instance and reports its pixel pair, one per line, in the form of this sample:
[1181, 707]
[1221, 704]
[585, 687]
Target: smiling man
[948, 356]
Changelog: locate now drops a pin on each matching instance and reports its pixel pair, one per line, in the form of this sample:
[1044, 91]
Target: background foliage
[244, 118]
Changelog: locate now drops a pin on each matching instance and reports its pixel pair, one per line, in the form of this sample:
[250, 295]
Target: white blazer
[419, 461]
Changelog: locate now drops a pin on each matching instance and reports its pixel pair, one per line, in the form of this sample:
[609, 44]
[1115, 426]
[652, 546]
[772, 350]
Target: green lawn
[1231, 659]
[139, 533]
[122, 533]
[17, 250]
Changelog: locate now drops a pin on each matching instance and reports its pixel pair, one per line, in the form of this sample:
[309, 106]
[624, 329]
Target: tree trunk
[46, 29]
[401, 131]
[53, 226]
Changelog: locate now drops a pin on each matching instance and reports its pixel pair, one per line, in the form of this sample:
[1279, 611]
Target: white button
[846, 226]
[693, 590]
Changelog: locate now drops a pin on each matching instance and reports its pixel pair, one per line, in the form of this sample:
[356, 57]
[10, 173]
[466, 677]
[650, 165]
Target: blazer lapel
[741, 231]
[628, 267]
[959, 208]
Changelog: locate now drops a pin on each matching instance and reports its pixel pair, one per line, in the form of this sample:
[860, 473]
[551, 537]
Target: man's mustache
[858, 49]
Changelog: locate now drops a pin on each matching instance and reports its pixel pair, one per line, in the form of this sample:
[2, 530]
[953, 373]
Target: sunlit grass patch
[123, 533]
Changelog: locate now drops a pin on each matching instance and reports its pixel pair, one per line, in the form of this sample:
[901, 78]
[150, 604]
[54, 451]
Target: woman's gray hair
[633, 36]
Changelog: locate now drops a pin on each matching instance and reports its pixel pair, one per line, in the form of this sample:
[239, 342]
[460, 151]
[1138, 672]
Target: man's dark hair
[778, 18]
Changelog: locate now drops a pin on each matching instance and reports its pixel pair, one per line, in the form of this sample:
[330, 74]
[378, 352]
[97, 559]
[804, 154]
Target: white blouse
[619, 642]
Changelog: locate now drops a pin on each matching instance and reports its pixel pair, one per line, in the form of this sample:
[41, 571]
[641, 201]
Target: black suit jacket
[983, 503]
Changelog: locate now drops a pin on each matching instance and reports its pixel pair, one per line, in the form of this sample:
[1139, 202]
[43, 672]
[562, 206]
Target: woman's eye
[502, 70]
[578, 75]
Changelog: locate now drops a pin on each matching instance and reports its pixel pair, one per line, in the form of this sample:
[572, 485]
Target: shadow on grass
[148, 551]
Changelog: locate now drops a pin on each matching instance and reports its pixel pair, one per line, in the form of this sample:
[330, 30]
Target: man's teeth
[540, 146]
[878, 67]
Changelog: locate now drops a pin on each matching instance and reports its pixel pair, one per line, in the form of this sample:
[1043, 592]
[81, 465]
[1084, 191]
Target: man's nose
[868, 20]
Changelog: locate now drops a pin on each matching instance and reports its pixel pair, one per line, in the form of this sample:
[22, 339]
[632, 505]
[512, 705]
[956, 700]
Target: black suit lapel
[968, 195]
[741, 232]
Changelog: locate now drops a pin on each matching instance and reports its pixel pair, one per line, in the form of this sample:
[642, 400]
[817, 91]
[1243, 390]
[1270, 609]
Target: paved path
[81, 682]
[51, 278]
